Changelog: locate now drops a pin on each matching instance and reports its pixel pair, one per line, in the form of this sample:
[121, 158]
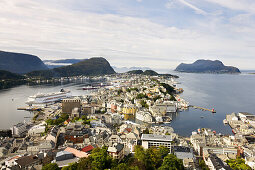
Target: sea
[226, 93]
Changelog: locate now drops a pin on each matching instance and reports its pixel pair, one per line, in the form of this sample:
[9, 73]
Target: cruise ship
[48, 97]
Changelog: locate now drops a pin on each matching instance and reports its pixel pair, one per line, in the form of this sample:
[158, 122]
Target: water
[11, 99]
[225, 93]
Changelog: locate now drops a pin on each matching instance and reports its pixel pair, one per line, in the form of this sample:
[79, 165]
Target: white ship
[48, 97]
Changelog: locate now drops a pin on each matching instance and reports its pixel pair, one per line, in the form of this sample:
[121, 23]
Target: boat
[89, 88]
[48, 97]
[225, 121]
[201, 117]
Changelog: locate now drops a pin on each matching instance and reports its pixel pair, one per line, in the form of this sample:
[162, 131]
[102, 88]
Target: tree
[202, 165]
[171, 162]
[51, 166]
[163, 151]
[238, 164]
[146, 131]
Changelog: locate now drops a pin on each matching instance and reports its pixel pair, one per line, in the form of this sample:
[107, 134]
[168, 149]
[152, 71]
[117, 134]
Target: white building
[36, 130]
[144, 116]
[150, 140]
[19, 129]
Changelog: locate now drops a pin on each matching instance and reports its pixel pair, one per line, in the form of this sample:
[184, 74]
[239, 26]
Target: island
[207, 66]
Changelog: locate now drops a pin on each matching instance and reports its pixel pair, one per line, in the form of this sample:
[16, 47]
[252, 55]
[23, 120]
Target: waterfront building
[69, 104]
[19, 130]
[151, 140]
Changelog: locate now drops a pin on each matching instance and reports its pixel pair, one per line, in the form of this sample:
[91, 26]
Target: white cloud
[42, 29]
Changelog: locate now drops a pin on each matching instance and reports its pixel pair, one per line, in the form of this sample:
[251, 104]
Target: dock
[204, 109]
[29, 108]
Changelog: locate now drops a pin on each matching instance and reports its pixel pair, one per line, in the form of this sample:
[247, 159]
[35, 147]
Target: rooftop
[153, 137]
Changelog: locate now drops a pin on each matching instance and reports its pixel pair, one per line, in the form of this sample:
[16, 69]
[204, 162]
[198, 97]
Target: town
[126, 121]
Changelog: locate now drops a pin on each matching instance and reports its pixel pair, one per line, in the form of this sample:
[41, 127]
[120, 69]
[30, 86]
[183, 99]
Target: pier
[204, 109]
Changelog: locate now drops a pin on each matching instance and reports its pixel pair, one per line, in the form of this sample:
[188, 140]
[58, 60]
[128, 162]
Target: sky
[143, 33]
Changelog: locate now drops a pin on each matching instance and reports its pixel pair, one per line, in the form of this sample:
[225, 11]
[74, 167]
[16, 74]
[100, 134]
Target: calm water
[225, 93]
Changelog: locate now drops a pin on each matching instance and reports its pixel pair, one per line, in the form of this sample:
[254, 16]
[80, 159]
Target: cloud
[59, 30]
[174, 3]
[196, 9]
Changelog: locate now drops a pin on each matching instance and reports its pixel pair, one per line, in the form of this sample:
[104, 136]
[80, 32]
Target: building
[19, 130]
[116, 151]
[69, 104]
[151, 140]
[185, 154]
[37, 130]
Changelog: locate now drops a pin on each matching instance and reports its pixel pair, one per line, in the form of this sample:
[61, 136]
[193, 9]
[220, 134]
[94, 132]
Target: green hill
[89, 67]
[6, 75]
[20, 63]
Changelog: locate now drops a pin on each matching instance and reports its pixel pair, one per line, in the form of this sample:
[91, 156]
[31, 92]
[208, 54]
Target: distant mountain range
[206, 66]
[89, 67]
[20, 63]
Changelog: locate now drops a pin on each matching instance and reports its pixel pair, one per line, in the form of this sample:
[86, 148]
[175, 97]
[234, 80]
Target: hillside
[87, 67]
[20, 63]
[6, 75]
[206, 66]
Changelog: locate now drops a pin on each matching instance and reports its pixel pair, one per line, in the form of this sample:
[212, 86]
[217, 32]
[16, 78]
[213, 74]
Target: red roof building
[87, 149]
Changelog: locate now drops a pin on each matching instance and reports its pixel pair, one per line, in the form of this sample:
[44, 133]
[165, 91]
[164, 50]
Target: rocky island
[206, 66]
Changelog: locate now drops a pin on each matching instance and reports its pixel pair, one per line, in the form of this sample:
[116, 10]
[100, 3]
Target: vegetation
[238, 164]
[151, 159]
[202, 165]
[141, 96]
[169, 89]
[146, 72]
[144, 104]
[63, 117]
[89, 67]
[51, 166]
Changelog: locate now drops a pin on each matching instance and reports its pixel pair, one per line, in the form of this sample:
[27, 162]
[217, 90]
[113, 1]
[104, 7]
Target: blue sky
[151, 33]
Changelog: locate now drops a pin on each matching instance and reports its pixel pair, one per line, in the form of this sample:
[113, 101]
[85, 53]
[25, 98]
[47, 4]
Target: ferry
[89, 88]
[48, 97]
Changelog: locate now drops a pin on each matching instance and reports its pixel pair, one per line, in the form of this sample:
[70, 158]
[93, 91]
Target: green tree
[51, 166]
[238, 164]
[171, 162]
[163, 151]
[202, 165]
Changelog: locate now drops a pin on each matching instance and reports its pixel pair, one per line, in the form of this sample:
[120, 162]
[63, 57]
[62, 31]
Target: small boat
[213, 110]
[225, 121]
[201, 117]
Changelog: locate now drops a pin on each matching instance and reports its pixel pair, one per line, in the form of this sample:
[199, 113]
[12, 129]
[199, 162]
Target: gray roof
[153, 137]
[63, 153]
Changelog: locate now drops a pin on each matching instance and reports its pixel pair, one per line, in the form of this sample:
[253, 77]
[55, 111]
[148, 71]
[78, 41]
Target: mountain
[88, 67]
[6, 75]
[146, 72]
[60, 63]
[206, 66]
[20, 63]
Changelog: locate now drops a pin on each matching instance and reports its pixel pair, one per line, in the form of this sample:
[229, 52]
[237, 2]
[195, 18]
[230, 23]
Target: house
[64, 155]
[27, 162]
[116, 151]
[215, 163]
[185, 154]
